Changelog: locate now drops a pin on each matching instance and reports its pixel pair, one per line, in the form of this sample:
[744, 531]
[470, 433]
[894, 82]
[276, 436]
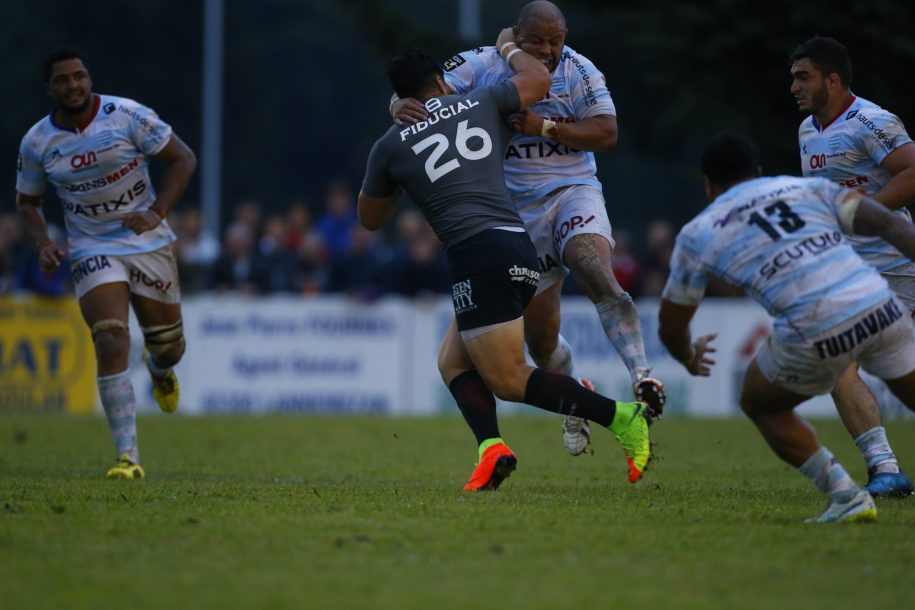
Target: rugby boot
[631, 429]
[125, 469]
[651, 391]
[576, 432]
[858, 508]
[166, 390]
[889, 485]
[496, 464]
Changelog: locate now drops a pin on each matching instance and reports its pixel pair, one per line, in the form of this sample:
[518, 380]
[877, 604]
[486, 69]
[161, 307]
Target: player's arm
[531, 78]
[407, 111]
[180, 163]
[593, 134]
[899, 192]
[866, 216]
[29, 209]
[375, 211]
[674, 332]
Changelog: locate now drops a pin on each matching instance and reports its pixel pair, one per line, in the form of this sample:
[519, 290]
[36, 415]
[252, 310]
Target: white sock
[120, 407]
[623, 327]
[876, 451]
[828, 475]
[560, 361]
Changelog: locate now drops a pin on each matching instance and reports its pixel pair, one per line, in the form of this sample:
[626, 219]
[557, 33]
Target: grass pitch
[316, 512]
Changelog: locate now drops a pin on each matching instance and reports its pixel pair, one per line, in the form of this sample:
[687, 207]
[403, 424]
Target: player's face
[542, 39]
[808, 86]
[70, 86]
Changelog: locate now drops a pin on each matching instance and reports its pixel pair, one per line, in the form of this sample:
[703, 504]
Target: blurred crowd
[301, 251]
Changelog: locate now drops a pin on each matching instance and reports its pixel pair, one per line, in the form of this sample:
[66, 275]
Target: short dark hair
[828, 55]
[728, 158]
[62, 54]
[412, 72]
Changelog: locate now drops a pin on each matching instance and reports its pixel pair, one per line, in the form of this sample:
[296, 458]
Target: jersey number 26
[461, 139]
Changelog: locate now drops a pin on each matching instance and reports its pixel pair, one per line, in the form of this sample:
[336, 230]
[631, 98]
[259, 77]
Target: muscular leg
[861, 415]
[160, 320]
[590, 258]
[104, 309]
[794, 440]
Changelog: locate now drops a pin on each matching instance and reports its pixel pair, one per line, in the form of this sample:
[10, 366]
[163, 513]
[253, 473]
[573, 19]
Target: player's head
[820, 73]
[728, 158]
[541, 31]
[416, 73]
[67, 79]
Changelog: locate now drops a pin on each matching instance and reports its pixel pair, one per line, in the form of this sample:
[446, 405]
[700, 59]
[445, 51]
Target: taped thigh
[108, 325]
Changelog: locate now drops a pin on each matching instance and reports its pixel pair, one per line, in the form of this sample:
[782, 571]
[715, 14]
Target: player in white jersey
[781, 239]
[94, 149]
[860, 146]
[551, 174]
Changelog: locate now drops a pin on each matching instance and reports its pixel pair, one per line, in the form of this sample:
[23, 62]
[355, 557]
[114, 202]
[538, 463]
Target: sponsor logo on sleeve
[109, 108]
[453, 63]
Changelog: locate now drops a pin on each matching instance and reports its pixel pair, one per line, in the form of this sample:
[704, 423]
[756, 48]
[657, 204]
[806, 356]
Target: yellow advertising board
[47, 361]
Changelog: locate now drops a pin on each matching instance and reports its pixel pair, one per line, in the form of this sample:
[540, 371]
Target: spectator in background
[196, 249]
[299, 223]
[363, 271]
[249, 213]
[31, 278]
[273, 258]
[12, 249]
[418, 263]
[336, 226]
[309, 268]
[660, 241]
[238, 268]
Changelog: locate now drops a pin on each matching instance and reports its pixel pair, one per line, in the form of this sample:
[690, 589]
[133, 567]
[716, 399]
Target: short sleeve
[590, 96]
[459, 71]
[506, 97]
[148, 132]
[30, 174]
[688, 278]
[377, 181]
[881, 134]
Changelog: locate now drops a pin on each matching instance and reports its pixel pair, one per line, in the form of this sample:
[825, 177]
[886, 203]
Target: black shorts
[495, 276]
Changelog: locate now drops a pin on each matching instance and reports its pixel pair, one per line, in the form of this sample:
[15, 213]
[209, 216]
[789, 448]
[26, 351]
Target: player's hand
[49, 256]
[701, 365]
[140, 222]
[505, 36]
[408, 112]
[527, 122]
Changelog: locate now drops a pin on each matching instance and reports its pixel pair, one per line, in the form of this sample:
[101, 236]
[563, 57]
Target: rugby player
[551, 174]
[781, 239]
[451, 166]
[860, 146]
[95, 149]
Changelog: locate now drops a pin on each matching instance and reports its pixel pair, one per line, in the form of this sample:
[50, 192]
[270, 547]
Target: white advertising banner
[330, 354]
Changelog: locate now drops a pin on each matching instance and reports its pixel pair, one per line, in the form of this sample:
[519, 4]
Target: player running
[551, 174]
[451, 166]
[781, 239]
[94, 150]
[858, 145]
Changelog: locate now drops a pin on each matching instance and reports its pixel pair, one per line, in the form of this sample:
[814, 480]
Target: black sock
[562, 394]
[477, 404]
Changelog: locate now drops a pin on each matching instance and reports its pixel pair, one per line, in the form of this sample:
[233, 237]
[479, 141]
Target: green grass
[314, 512]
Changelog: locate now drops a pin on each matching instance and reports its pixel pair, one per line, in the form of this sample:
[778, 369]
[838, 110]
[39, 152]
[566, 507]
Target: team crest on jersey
[835, 142]
[453, 63]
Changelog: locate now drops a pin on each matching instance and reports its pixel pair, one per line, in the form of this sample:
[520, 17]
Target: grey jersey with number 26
[451, 163]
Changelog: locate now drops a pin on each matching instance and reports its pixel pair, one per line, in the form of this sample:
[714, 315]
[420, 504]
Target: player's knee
[542, 337]
[165, 344]
[508, 386]
[111, 338]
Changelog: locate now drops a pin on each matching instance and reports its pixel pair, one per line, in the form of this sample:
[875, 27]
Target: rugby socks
[487, 444]
[622, 326]
[562, 394]
[120, 407]
[828, 475]
[560, 361]
[477, 404]
[877, 452]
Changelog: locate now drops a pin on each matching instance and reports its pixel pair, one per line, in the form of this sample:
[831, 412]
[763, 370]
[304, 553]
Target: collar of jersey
[820, 128]
[95, 107]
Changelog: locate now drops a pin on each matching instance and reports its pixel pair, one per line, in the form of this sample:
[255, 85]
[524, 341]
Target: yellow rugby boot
[166, 390]
[125, 469]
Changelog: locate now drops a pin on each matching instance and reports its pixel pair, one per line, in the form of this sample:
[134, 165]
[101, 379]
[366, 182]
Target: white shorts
[554, 220]
[880, 340]
[902, 282]
[151, 274]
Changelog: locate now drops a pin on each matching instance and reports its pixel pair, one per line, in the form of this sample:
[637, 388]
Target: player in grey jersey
[858, 145]
[451, 166]
[550, 171]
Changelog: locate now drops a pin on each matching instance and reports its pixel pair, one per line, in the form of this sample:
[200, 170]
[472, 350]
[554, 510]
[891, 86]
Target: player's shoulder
[863, 115]
[479, 56]
[574, 62]
[39, 132]
[807, 127]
